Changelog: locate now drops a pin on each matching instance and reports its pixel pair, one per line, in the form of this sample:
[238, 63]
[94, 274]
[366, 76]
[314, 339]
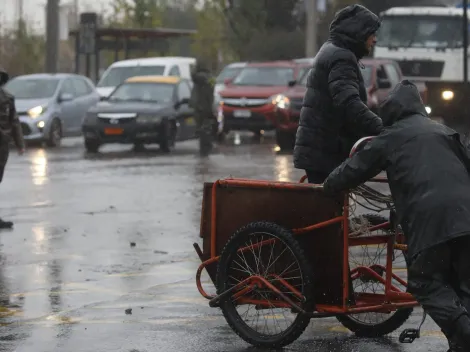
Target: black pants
[4, 153]
[316, 177]
[439, 279]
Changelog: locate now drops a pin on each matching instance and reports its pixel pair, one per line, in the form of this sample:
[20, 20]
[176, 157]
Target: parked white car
[119, 71]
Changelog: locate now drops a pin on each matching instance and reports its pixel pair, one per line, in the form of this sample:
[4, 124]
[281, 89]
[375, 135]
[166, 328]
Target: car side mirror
[383, 83]
[228, 81]
[292, 83]
[184, 101]
[65, 97]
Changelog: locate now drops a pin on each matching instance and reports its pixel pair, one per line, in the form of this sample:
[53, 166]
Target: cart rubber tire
[397, 319]
[229, 310]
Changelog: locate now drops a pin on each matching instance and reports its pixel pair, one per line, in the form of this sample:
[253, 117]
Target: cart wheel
[373, 324]
[262, 323]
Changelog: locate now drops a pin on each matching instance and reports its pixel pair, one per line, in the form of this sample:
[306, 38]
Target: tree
[264, 30]
[136, 13]
[22, 51]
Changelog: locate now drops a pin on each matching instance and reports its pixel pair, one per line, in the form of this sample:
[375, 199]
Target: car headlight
[146, 119]
[428, 109]
[281, 101]
[447, 95]
[36, 111]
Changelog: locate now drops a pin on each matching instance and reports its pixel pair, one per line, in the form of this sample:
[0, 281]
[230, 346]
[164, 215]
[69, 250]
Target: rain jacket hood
[403, 101]
[352, 26]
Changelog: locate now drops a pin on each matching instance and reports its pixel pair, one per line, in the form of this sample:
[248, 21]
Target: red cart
[280, 254]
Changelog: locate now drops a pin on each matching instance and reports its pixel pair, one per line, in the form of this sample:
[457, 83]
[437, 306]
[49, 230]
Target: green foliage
[21, 51]
[136, 13]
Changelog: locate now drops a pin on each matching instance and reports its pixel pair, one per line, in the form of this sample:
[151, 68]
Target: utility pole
[76, 13]
[311, 30]
[20, 12]
[52, 35]
[465, 42]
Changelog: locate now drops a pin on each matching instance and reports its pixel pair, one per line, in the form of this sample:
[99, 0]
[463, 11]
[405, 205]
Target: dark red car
[380, 76]
[249, 101]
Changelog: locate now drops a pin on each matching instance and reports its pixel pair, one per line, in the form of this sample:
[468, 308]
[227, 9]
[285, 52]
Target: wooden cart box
[293, 206]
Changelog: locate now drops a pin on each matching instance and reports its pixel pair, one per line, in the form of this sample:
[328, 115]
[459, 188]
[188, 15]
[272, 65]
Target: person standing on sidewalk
[10, 128]
[202, 101]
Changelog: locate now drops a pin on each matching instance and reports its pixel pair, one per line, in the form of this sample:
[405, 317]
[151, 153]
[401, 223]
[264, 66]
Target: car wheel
[55, 134]
[167, 136]
[92, 145]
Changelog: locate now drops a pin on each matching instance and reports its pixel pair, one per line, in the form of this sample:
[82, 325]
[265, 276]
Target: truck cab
[427, 43]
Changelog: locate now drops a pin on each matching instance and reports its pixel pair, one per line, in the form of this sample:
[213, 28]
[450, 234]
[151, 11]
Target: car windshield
[420, 32]
[366, 71]
[144, 91]
[303, 73]
[228, 72]
[32, 88]
[116, 75]
[303, 80]
[264, 76]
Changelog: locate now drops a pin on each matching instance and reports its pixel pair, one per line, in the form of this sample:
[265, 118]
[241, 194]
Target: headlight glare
[447, 95]
[281, 101]
[36, 111]
[428, 109]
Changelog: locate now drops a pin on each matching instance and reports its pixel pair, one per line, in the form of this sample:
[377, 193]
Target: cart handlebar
[360, 143]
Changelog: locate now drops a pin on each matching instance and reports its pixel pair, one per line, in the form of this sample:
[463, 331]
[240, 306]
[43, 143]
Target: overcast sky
[34, 10]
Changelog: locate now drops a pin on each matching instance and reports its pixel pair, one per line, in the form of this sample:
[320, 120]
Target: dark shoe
[5, 224]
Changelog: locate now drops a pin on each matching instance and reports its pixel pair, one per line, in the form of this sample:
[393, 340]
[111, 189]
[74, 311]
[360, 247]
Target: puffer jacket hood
[351, 28]
[403, 101]
[4, 76]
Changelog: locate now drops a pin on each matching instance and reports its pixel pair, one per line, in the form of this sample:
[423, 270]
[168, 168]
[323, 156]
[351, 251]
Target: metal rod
[465, 41]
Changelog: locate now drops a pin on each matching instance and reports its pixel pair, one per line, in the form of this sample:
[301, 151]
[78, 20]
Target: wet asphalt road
[96, 236]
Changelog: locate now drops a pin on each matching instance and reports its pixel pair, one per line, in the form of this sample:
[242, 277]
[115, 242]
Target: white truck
[427, 43]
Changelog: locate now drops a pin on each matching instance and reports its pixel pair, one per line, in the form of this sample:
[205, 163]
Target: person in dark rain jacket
[10, 129]
[428, 169]
[334, 113]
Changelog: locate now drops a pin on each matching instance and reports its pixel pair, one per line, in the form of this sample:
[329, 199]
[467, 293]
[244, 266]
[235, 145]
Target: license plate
[113, 131]
[242, 113]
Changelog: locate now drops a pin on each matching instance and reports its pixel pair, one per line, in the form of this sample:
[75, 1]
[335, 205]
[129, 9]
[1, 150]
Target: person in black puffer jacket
[334, 113]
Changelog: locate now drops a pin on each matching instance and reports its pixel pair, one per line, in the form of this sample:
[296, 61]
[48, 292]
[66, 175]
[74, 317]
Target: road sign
[87, 32]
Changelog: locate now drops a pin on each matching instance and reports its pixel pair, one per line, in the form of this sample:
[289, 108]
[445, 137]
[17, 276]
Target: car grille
[252, 118]
[421, 68]
[120, 121]
[25, 129]
[245, 102]
[296, 104]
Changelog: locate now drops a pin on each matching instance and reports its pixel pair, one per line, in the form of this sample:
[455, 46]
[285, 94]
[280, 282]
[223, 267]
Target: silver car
[52, 106]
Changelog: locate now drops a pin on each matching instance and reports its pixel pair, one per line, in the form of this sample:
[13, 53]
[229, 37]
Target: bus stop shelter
[91, 41]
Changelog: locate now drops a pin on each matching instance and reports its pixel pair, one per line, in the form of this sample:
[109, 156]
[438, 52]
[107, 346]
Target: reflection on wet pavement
[97, 236]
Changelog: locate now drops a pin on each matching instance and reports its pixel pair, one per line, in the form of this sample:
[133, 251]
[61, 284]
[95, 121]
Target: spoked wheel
[373, 324]
[261, 317]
